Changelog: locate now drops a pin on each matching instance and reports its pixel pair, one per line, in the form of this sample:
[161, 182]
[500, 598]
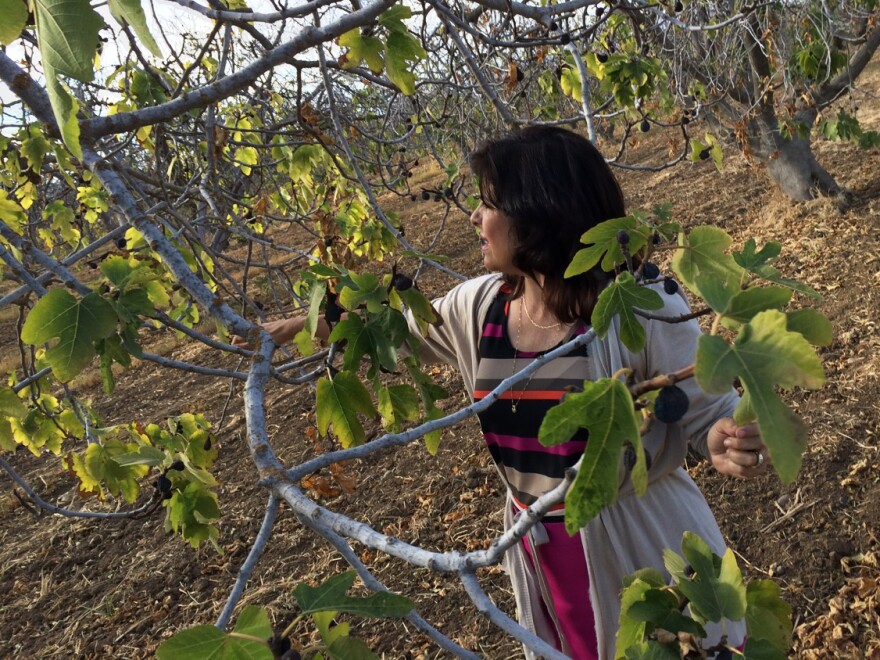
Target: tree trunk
[794, 168]
[791, 163]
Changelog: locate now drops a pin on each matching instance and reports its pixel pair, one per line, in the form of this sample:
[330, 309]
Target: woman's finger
[753, 461]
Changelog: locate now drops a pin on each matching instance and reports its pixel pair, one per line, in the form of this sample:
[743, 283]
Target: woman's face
[496, 242]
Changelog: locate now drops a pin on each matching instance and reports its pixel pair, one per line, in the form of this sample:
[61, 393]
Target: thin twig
[51, 508]
[789, 514]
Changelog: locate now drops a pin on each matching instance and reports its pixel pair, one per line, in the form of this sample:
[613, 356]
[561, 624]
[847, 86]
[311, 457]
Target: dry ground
[74, 588]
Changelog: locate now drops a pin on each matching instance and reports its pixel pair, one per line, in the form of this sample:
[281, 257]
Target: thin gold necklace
[532, 321]
[514, 404]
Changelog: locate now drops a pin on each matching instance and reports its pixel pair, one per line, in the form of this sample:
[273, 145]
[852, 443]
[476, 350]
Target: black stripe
[498, 418]
[533, 462]
[499, 348]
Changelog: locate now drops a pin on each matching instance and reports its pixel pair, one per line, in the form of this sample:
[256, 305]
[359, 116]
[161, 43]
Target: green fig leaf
[751, 258]
[765, 355]
[332, 595]
[76, 323]
[768, 616]
[350, 648]
[620, 297]
[132, 13]
[745, 304]
[10, 404]
[605, 409]
[661, 609]
[631, 632]
[64, 107]
[603, 246]
[401, 49]
[714, 591]
[207, 642]
[67, 32]
[813, 325]
[379, 337]
[255, 622]
[369, 291]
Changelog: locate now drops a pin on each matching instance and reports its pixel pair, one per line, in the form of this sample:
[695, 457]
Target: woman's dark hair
[553, 185]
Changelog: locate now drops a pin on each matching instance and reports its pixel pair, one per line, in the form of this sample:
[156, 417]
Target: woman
[541, 189]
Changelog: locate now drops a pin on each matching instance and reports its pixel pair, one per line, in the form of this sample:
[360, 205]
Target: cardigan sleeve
[673, 346]
[456, 341]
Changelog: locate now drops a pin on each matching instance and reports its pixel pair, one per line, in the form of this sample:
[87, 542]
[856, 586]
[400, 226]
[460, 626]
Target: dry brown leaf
[346, 481]
[320, 486]
[512, 77]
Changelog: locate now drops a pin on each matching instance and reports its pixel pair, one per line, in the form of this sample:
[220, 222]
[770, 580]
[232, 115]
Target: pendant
[513, 407]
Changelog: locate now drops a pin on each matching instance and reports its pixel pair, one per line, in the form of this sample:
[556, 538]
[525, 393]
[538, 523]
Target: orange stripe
[518, 395]
[522, 507]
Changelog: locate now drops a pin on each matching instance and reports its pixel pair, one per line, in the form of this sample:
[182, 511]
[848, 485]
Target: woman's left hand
[737, 450]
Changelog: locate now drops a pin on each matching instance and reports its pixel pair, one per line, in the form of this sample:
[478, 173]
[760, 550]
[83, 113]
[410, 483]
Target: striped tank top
[529, 468]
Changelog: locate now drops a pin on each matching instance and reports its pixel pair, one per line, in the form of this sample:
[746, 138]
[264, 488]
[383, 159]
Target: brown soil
[117, 589]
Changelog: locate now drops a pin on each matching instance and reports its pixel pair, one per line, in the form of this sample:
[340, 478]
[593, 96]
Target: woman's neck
[532, 326]
[535, 307]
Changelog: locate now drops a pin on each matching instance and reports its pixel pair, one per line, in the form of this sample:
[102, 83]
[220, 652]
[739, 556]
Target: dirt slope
[75, 588]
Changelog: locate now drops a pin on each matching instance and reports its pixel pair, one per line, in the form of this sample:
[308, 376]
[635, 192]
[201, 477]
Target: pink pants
[565, 572]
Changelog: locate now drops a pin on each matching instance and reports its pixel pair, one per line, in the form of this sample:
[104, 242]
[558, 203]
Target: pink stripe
[493, 330]
[533, 444]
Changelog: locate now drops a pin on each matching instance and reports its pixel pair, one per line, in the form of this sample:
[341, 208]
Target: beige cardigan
[633, 532]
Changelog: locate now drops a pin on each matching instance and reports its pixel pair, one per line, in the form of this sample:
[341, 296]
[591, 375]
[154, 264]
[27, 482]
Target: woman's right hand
[282, 331]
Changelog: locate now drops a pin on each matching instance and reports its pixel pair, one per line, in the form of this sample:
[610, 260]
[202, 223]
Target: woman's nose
[475, 216]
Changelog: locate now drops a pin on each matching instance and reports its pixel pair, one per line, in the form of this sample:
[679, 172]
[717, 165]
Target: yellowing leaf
[246, 158]
[98, 469]
[338, 403]
[704, 253]
[570, 81]
[362, 48]
[11, 212]
[13, 16]
[35, 148]
[62, 221]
